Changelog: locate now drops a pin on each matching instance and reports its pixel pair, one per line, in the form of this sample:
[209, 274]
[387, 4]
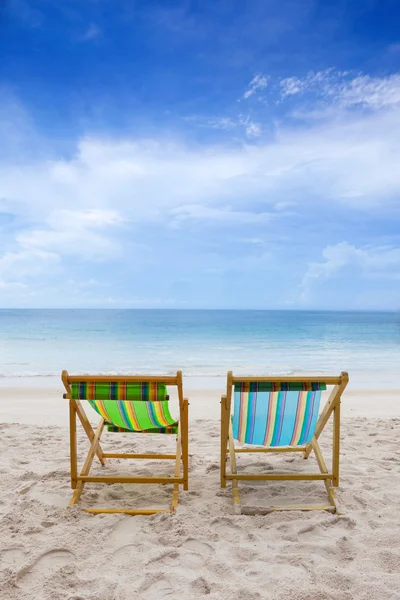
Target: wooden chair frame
[329, 477]
[78, 480]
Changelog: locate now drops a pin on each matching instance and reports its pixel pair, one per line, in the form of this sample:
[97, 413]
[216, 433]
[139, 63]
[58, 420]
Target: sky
[196, 154]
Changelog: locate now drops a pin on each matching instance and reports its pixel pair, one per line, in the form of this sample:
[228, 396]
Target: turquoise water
[203, 343]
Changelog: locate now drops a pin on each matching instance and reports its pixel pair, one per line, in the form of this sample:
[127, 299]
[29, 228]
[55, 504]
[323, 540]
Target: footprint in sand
[43, 567]
[201, 585]
[11, 556]
[199, 547]
[212, 467]
[124, 532]
[334, 529]
[361, 501]
[195, 553]
[192, 554]
[291, 569]
[26, 488]
[47, 524]
[124, 556]
[345, 549]
[56, 496]
[226, 529]
[155, 587]
[388, 560]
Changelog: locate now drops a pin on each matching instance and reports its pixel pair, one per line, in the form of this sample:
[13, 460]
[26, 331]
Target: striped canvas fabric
[135, 416]
[172, 429]
[125, 406]
[118, 390]
[275, 414]
[279, 386]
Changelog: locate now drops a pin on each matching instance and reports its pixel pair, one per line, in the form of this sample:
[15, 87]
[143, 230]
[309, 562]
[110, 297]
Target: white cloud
[8, 287]
[66, 233]
[222, 123]
[253, 129]
[259, 82]
[284, 205]
[291, 86]
[368, 261]
[344, 89]
[372, 92]
[224, 215]
[320, 81]
[245, 123]
[25, 263]
[112, 191]
[349, 160]
[80, 220]
[82, 233]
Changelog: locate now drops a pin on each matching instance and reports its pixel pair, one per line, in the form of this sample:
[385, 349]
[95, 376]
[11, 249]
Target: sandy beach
[49, 551]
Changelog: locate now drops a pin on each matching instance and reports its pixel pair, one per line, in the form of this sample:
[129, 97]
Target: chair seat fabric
[128, 406]
[172, 429]
[276, 414]
[135, 416]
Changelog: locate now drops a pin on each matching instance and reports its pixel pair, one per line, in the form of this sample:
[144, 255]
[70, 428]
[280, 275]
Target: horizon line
[386, 310]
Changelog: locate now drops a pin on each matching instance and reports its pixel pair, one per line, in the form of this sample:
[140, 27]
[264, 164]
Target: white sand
[50, 552]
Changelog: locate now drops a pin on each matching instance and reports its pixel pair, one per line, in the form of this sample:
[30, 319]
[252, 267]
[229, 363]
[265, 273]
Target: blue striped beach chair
[126, 404]
[280, 414]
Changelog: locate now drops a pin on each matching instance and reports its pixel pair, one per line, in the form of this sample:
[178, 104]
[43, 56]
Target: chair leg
[185, 444]
[235, 486]
[308, 449]
[88, 429]
[324, 469]
[336, 445]
[224, 442]
[73, 445]
[175, 493]
[88, 463]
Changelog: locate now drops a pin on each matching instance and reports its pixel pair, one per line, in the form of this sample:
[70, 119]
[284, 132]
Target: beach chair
[280, 414]
[126, 404]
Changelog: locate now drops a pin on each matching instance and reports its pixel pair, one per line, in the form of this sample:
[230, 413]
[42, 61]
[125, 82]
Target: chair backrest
[275, 412]
[144, 391]
[130, 402]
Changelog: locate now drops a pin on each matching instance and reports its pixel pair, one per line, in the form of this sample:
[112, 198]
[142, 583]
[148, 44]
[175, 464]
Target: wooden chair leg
[235, 487]
[224, 441]
[324, 469]
[308, 449]
[88, 463]
[88, 429]
[185, 443]
[336, 445]
[73, 444]
[175, 493]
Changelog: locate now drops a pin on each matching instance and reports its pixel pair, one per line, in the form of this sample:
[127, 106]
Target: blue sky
[193, 154]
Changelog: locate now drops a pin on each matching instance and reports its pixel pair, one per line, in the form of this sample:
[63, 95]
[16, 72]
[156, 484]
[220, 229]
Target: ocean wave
[214, 371]
[15, 364]
[23, 374]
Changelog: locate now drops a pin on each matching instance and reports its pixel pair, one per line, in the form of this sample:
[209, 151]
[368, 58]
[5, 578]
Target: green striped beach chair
[280, 414]
[127, 404]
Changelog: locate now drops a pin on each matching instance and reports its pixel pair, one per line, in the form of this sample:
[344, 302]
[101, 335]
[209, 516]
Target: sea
[38, 344]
